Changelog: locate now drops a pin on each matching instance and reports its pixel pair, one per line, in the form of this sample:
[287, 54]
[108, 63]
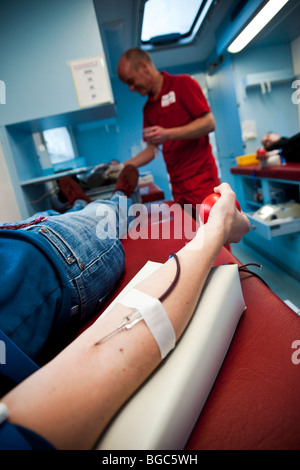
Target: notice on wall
[249, 130]
[91, 81]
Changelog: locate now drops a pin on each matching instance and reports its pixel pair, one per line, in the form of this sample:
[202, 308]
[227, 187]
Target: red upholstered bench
[255, 400]
[150, 192]
[289, 171]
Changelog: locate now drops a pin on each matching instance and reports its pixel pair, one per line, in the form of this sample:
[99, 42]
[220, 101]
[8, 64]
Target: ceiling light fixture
[256, 25]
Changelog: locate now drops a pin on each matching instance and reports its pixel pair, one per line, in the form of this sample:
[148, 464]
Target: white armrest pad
[163, 412]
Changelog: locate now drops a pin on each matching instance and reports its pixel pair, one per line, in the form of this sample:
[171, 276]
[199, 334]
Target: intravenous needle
[128, 322]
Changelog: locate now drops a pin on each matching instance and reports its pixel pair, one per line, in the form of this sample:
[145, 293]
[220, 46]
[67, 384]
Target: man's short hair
[135, 55]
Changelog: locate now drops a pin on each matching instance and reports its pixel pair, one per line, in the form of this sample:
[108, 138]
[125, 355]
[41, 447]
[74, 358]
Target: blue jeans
[86, 241]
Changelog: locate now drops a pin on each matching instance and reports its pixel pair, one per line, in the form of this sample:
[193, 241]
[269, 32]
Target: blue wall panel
[38, 39]
[274, 110]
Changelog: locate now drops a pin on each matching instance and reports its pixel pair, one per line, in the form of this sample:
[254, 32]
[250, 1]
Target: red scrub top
[190, 163]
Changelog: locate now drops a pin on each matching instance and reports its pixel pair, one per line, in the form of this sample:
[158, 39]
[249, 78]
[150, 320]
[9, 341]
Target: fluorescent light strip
[256, 25]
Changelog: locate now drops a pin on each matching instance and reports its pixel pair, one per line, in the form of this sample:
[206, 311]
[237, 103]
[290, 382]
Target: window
[56, 149]
[59, 145]
[172, 21]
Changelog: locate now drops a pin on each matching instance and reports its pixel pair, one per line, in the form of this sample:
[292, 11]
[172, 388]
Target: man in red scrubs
[176, 116]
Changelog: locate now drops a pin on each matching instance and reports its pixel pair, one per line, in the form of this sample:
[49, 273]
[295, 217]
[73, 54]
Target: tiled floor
[282, 284]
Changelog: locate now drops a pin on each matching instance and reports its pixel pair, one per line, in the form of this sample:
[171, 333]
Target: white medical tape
[155, 317]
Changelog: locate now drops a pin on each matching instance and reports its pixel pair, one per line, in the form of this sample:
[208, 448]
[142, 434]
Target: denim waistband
[92, 267]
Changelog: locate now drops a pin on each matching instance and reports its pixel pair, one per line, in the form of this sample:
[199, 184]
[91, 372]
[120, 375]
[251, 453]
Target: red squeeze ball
[207, 204]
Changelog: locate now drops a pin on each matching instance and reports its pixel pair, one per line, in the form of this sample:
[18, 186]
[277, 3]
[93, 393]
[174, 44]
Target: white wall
[9, 211]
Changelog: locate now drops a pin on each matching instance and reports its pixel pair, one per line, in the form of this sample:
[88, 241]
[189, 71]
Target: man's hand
[156, 135]
[195, 129]
[114, 170]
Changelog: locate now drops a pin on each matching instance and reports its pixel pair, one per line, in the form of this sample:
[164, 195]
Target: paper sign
[91, 82]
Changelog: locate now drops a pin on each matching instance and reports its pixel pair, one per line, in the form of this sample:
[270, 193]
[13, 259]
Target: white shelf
[264, 80]
[53, 176]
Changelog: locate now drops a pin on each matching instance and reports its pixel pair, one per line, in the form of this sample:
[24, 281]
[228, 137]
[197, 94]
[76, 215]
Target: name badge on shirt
[168, 99]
